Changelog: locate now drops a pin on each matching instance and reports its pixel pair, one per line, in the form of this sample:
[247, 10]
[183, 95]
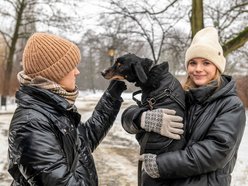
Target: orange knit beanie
[49, 56]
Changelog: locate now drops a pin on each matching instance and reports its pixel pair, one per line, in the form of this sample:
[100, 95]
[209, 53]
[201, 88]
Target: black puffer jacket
[215, 125]
[48, 145]
[166, 92]
[169, 94]
[214, 128]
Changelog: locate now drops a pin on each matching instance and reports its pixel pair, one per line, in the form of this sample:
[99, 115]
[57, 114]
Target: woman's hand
[150, 165]
[162, 121]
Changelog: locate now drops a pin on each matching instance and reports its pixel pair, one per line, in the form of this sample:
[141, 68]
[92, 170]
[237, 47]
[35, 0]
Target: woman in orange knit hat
[215, 121]
[48, 144]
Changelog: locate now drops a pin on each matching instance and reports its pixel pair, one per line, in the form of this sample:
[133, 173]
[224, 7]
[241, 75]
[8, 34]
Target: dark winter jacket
[215, 124]
[48, 145]
[166, 92]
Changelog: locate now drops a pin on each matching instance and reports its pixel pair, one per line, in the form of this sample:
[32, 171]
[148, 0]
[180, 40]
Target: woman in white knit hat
[215, 121]
[48, 144]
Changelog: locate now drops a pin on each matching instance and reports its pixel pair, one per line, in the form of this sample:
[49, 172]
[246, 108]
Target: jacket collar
[201, 94]
[48, 103]
[39, 96]
[210, 92]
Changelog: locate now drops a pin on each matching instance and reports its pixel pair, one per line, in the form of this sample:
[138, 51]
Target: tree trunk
[92, 72]
[9, 65]
[197, 20]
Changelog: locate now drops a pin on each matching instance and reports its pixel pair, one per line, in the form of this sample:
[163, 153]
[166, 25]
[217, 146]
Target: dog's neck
[155, 75]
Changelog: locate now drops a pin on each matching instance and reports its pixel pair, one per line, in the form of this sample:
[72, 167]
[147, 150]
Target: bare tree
[230, 18]
[3, 48]
[117, 38]
[174, 48]
[149, 20]
[159, 26]
[226, 17]
[162, 30]
[89, 50]
[95, 48]
[21, 14]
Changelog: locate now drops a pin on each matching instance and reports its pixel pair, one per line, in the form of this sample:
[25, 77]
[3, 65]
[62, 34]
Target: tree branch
[236, 42]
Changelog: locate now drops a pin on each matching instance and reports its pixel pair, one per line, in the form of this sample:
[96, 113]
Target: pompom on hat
[205, 44]
[49, 56]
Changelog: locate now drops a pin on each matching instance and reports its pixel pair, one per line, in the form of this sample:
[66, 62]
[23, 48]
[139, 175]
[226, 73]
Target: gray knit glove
[150, 165]
[162, 121]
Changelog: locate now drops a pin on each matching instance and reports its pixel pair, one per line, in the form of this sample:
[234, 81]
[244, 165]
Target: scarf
[47, 84]
[201, 94]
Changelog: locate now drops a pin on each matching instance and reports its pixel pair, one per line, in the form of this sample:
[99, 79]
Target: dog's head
[129, 67]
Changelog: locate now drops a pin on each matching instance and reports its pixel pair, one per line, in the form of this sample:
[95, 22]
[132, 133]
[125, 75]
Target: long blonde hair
[189, 84]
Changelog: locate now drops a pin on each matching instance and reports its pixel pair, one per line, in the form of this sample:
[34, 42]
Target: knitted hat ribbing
[49, 56]
[205, 44]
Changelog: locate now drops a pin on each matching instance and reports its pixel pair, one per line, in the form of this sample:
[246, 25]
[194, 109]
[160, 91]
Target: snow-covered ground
[116, 157]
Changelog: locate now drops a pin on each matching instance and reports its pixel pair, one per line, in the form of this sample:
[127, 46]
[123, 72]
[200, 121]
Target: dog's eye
[118, 65]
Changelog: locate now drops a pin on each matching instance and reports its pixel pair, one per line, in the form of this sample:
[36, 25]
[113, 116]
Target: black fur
[152, 81]
[131, 68]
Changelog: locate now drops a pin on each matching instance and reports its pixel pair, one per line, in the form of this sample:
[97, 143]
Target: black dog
[160, 89]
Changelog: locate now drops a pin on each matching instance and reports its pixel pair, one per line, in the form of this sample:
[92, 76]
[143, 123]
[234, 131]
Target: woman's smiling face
[201, 71]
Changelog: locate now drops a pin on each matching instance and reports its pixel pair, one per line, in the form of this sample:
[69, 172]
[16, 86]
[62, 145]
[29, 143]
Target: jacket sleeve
[130, 119]
[219, 146]
[103, 117]
[40, 158]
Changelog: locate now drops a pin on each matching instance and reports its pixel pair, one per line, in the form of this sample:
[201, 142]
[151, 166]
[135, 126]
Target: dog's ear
[142, 68]
[139, 70]
[148, 63]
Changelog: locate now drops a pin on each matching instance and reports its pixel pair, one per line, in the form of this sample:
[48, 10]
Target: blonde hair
[189, 84]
